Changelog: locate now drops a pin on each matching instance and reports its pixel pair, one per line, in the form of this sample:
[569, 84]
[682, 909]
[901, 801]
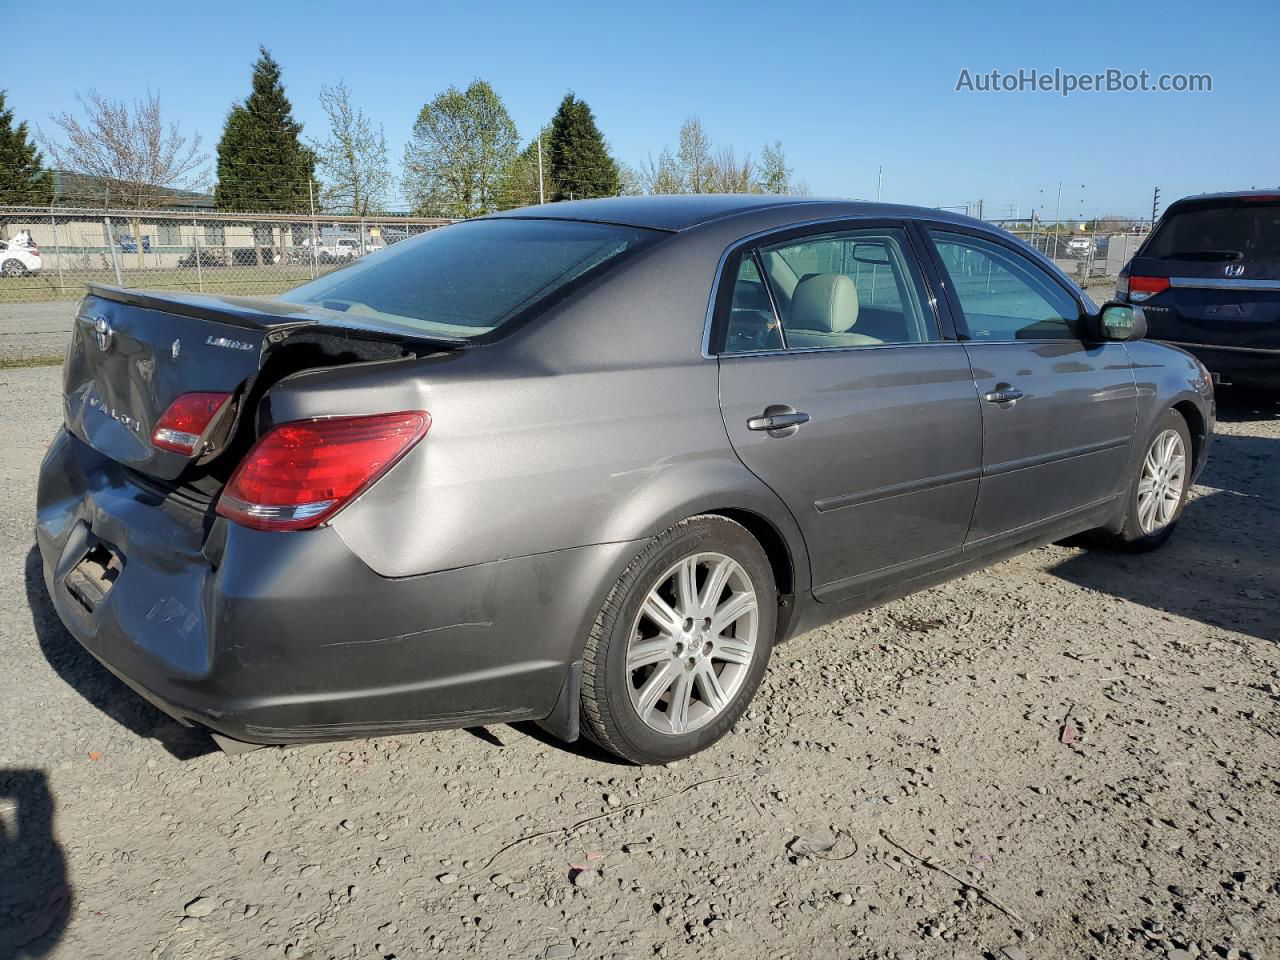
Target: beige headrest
[827, 302]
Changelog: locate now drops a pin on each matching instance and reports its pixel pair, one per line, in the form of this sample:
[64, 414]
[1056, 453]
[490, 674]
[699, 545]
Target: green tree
[462, 145]
[23, 179]
[580, 161]
[519, 185]
[774, 176]
[262, 162]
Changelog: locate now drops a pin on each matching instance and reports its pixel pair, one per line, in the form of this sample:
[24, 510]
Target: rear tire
[13, 268]
[1157, 492]
[681, 644]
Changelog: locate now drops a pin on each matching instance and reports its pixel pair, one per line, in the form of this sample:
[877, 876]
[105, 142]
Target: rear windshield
[1237, 232]
[468, 279]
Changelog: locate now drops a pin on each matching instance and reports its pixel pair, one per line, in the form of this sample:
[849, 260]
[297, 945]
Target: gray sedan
[585, 463]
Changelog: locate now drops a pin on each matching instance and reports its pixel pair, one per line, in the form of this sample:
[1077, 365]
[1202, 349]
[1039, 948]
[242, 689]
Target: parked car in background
[1208, 280]
[585, 469]
[208, 258]
[18, 259]
[253, 256]
[128, 244]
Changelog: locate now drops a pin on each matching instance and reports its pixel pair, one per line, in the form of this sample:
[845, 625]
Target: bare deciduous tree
[353, 161]
[696, 168]
[139, 158]
[695, 156]
[730, 176]
[662, 176]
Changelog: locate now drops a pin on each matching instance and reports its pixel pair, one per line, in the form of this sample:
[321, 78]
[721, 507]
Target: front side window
[1004, 295]
[854, 288]
[468, 279]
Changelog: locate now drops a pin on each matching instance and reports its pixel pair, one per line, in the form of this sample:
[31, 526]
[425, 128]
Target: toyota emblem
[101, 331]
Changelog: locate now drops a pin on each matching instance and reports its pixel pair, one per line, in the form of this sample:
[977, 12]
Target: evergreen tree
[579, 158]
[23, 179]
[262, 162]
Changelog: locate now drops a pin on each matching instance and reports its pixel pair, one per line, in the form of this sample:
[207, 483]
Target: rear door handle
[1006, 395]
[777, 421]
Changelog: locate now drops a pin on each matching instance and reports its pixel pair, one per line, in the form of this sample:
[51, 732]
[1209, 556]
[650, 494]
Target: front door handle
[1003, 395]
[777, 421]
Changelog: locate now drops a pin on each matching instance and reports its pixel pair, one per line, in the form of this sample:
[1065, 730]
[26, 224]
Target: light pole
[1057, 221]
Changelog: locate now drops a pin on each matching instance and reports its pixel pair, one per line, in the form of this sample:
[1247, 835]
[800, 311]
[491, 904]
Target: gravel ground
[1082, 746]
[35, 329]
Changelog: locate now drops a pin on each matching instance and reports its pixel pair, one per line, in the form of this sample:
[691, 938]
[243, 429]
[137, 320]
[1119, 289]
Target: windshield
[468, 279]
[1237, 232]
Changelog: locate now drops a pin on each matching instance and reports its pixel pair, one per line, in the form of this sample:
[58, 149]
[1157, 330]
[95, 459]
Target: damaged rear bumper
[288, 637]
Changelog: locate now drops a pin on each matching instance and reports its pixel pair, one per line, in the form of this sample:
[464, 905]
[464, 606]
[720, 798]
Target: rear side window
[1237, 232]
[468, 279]
[1004, 295]
[854, 288]
[752, 324]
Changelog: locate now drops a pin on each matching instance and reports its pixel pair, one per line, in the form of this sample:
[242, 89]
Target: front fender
[1166, 377]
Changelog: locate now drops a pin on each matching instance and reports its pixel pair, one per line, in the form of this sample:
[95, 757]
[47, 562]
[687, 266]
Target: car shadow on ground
[1237, 404]
[1220, 565]
[96, 684]
[35, 900]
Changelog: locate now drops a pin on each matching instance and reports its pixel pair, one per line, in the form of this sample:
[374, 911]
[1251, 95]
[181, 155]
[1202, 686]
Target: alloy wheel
[1164, 474]
[692, 643]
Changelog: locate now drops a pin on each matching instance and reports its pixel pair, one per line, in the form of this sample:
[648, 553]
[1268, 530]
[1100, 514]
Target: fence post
[362, 230]
[314, 241]
[57, 249]
[195, 239]
[111, 245]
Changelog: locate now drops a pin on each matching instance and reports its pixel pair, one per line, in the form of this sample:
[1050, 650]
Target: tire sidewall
[710, 536]
[1133, 532]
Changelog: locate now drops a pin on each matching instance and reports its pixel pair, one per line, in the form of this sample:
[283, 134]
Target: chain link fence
[1092, 252]
[50, 255]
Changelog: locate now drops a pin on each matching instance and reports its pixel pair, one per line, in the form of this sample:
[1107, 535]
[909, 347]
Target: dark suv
[1208, 279]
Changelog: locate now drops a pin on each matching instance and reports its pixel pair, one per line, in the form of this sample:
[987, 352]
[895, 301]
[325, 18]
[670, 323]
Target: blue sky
[846, 87]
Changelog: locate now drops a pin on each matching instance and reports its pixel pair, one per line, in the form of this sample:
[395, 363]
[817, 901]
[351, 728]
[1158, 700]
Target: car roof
[1227, 196]
[682, 211]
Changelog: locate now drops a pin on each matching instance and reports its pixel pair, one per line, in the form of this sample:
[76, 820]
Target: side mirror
[1121, 321]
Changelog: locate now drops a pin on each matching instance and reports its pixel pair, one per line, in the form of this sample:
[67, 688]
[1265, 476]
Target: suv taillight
[181, 426]
[303, 472]
[1144, 288]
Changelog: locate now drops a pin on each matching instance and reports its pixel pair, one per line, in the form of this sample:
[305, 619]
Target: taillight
[303, 472]
[1143, 288]
[181, 426]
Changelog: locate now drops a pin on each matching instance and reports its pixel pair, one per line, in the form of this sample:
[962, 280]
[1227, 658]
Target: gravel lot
[35, 329]
[1084, 747]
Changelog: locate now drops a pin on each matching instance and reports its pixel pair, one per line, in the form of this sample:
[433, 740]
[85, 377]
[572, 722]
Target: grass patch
[31, 360]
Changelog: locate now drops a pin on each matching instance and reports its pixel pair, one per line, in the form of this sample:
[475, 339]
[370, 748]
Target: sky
[850, 89]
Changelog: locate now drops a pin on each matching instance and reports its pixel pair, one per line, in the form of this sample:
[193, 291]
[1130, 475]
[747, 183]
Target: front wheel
[1158, 491]
[681, 644]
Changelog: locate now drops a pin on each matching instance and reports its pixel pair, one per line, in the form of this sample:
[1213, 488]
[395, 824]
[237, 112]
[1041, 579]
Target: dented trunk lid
[133, 352]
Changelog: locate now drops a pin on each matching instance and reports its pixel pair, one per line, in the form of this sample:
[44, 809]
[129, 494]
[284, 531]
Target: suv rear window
[467, 279]
[1237, 232]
